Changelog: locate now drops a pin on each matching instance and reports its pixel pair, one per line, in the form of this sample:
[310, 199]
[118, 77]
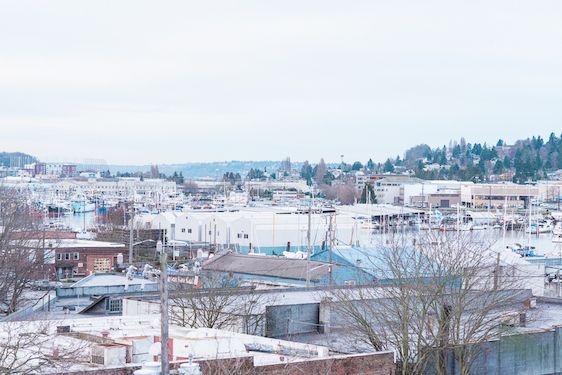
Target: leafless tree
[434, 298]
[22, 256]
[221, 304]
[345, 193]
[33, 347]
[190, 187]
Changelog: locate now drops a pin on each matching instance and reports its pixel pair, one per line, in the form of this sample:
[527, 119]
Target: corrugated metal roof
[264, 265]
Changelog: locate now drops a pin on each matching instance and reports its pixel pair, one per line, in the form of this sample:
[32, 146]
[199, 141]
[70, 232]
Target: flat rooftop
[267, 266]
[74, 243]
[110, 279]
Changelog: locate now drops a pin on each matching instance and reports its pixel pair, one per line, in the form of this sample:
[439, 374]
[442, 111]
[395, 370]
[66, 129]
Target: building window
[115, 305]
[189, 231]
[183, 230]
[102, 265]
[59, 256]
[246, 236]
[67, 256]
[76, 256]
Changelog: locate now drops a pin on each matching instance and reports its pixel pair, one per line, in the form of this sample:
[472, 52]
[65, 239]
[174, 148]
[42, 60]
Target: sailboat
[540, 227]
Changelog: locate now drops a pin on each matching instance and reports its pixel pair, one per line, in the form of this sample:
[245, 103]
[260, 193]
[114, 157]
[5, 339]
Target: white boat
[542, 227]
[523, 250]
[295, 255]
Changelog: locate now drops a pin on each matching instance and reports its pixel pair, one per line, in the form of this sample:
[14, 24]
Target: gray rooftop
[261, 265]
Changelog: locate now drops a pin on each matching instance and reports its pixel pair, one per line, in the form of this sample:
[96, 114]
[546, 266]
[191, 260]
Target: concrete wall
[287, 320]
[133, 307]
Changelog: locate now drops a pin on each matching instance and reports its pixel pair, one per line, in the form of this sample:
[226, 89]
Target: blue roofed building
[354, 265]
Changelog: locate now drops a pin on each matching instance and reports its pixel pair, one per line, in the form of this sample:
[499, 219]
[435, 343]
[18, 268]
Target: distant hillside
[197, 170]
[15, 159]
[531, 158]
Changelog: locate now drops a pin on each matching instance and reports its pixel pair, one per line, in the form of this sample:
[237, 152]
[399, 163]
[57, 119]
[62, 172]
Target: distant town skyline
[211, 81]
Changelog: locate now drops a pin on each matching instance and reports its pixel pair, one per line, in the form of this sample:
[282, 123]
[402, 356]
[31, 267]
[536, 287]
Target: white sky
[179, 81]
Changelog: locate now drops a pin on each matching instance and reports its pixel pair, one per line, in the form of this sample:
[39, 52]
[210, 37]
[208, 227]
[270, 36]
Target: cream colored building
[549, 191]
[498, 195]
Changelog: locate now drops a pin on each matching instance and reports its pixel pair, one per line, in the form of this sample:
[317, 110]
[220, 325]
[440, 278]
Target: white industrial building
[252, 230]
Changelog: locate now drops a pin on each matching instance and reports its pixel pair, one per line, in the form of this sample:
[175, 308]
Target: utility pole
[308, 244]
[330, 230]
[164, 311]
[131, 233]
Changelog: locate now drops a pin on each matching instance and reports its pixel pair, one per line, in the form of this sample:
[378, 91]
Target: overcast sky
[178, 81]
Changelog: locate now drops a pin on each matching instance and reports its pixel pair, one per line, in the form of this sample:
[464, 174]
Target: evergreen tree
[506, 162]
[307, 172]
[357, 166]
[456, 151]
[368, 194]
[388, 167]
[498, 167]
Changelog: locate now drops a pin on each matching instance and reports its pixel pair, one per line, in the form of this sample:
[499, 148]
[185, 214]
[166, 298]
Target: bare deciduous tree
[190, 187]
[434, 298]
[345, 193]
[21, 253]
[221, 304]
[33, 347]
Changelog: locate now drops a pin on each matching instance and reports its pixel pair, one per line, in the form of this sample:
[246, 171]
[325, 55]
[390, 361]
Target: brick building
[76, 258]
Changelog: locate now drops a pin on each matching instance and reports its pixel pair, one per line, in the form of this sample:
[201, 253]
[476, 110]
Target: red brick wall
[87, 257]
[361, 364]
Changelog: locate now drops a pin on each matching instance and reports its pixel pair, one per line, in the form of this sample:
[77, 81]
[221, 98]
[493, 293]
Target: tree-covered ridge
[531, 158]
